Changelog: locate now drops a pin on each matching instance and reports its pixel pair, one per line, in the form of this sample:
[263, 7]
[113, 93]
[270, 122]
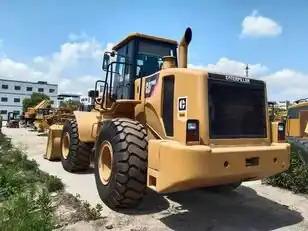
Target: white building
[12, 93]
[283, 105]
[86, 100]
[66, 97]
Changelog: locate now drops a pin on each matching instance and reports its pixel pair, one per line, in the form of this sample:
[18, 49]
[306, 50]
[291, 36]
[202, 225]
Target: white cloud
[38, 59]
[287, 84]
[225, 65]
[74, 67]
[79, 84]
[77, 65]
[281, 85]
[19, 71]
[256, 25]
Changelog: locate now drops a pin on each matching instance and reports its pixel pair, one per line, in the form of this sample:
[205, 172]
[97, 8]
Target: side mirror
[106, 61]
[93, 94]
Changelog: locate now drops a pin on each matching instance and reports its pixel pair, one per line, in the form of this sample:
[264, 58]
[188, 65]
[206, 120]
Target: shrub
[24, 195]
[53, 184]
[295, 178]
[27, 211]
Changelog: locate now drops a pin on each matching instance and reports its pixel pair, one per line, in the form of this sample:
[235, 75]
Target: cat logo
[182, 104]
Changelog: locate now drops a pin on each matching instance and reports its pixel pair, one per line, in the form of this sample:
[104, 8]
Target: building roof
[139, 35]
[68, 95]
[38, 82]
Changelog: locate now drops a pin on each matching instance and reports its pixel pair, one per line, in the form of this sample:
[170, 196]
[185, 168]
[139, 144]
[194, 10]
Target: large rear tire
[121, 163]
[75, 155]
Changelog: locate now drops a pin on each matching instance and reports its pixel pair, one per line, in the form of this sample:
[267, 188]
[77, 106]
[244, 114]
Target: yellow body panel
[53, 150]
[296, 125]
[174, 167]
[87, 125]
[293, 127]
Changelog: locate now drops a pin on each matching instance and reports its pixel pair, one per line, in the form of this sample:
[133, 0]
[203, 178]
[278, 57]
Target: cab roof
[144, 36]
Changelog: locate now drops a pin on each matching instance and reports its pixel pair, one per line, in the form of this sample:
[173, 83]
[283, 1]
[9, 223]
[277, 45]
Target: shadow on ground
[242, 209]
[151, 203]
[90, 170]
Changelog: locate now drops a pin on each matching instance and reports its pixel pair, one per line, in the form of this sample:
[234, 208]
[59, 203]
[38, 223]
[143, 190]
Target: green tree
[33, 100]
[70, 104]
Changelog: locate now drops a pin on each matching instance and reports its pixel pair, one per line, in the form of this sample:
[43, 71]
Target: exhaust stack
[183, 48]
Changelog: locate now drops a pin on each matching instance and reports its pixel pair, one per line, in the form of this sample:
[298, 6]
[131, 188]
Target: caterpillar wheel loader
[297, 128]
[161, 125]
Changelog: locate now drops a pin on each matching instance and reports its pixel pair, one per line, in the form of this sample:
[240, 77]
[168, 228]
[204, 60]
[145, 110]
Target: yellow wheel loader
[297, 128]
[160, 125]
[32, 112]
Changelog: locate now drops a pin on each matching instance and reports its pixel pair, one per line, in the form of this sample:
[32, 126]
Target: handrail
[108, 84]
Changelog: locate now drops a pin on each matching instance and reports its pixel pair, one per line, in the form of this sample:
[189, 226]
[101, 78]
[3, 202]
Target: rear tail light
[192, 132]
[281, 131]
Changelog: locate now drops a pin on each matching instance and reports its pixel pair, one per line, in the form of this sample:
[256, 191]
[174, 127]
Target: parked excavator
[160, 125]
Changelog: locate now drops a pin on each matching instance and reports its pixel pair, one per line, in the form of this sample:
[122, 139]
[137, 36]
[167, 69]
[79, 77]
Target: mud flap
[53, 149]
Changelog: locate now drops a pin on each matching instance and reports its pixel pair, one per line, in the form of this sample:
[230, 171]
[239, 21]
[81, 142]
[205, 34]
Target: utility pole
[247, 70]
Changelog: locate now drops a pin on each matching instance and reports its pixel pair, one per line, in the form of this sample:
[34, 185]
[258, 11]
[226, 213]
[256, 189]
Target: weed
[27, 211]
[24, 196]
[295, 178]
[25, 203]
[53, 183]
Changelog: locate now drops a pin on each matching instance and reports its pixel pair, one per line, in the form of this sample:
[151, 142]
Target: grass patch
[295, 178]
[25, 203]
[25, 195]
[86, 211]
[27, 211]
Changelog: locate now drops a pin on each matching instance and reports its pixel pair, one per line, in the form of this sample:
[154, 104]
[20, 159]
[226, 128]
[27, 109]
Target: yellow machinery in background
[49, 116]
[297, 128]
[12, 120]
[297, 119]
[161, 125]
[277, 117]
[31, 114]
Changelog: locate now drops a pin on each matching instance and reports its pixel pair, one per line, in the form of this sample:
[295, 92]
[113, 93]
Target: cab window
[149, 57]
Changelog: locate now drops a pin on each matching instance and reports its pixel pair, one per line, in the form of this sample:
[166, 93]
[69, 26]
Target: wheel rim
[105, 162]
[66, 145]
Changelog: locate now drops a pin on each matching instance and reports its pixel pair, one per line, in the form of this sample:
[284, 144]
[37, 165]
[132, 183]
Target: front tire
[121, 163]
[75, 155]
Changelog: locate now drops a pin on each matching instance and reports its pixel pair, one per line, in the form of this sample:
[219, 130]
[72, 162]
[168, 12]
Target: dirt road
[252, 206]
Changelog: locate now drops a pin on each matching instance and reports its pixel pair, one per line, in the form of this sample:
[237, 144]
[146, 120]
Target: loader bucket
[53, 150]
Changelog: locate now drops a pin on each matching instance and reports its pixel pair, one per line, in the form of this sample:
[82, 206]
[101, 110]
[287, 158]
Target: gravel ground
[252, 206]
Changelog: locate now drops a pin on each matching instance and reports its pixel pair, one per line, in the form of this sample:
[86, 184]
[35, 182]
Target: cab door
[123, 83]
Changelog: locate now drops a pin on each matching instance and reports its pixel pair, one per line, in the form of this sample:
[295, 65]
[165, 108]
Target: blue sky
[277, 52]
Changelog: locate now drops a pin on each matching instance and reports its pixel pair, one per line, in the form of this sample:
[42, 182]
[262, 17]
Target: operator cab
[136, 56]
[12, 116]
